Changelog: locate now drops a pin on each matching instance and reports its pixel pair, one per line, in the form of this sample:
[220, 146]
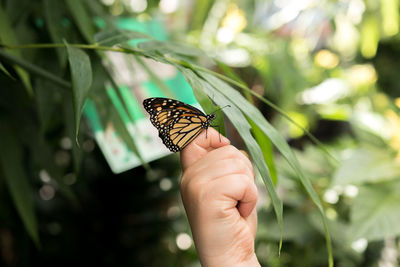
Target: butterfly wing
[182, 131]
[178, 123]
[164, 110]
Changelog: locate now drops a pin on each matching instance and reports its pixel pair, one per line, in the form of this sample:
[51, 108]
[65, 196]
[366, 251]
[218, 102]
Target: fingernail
[224, 139]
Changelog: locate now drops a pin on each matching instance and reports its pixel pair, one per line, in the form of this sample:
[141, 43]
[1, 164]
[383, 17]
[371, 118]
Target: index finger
[201, 145]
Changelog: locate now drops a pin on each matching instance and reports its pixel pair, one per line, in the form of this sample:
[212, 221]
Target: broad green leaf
[53, 11]
[12, 166]
[118, 36]
[7, 36]
[82, 18]
[367, 165]
[375, 213]
[252, 112]
[81, 74]
[243, 127]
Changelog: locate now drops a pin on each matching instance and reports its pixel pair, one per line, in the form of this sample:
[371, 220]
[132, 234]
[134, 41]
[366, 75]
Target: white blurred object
[184, 241]
[326, 92]
[138, 5]
[168, 6]
[359, 245]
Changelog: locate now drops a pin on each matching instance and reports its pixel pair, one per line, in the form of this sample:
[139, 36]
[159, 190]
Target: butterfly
[177, 123]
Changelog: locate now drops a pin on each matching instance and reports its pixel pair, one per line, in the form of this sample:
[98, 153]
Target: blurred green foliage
[331, 66]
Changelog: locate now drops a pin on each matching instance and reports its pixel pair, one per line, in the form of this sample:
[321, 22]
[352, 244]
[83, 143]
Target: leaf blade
[81, 74]
[279, 142]
[82, 19]
[17, 181]
[7, 36]
[118, 36]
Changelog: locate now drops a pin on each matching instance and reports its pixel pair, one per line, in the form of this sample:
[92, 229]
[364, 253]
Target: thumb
[201, 145]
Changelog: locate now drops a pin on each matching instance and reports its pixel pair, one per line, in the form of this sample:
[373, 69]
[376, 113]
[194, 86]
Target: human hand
[219, 195]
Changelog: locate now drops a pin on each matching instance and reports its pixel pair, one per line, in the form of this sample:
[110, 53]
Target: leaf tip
[77, 141]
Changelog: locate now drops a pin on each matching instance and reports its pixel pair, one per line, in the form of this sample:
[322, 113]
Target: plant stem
[82, 46]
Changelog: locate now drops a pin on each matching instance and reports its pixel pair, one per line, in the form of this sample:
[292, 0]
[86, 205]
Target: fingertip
[208, 140]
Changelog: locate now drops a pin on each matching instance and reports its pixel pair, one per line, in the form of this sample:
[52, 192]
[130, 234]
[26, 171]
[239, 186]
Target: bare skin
[219, 195]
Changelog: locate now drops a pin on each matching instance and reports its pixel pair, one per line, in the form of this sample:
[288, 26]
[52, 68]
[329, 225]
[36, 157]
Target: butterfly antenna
[227, 106]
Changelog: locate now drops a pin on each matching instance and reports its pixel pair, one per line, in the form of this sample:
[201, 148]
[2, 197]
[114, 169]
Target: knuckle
[239, 164]
[230, 151]
[254, 192]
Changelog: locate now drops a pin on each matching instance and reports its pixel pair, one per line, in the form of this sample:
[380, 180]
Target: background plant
[329, 66]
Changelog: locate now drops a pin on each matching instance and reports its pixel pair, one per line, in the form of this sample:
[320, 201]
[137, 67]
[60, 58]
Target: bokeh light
[184, 241]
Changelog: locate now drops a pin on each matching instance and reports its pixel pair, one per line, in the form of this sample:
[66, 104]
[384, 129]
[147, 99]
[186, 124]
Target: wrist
[251, 261]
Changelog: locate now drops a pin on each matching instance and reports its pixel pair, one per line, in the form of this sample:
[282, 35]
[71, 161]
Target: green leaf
[53, 11]
[12, 165]
[205, 101]
[46, 103]
[5, 71]
[117, 36]
[252, 112]
[34, 69]
[81, 74]
[82, 18]
[266, 148]
[202, 9]
[375, 213]
[7, 36]
[70, 126]
[367, 165]
[243, 127]
[171, 48]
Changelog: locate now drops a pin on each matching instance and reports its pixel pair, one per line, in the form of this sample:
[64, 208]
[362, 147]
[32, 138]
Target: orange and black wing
[182, 131]
[177, 123]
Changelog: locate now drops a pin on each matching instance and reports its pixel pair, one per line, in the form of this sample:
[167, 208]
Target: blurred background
[332, 66]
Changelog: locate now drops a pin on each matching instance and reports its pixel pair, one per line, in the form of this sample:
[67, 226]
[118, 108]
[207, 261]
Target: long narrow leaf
[81, 74]
[267, 149]
[53, 12]
[118, 36]
[5, 71]
[82, 19]
[205, 101]
[7, 36]
[262, 139]
[280, 143]
[12, 165]
[33, 69]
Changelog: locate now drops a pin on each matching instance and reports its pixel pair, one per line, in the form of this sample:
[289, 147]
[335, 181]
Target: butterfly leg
[219, 132]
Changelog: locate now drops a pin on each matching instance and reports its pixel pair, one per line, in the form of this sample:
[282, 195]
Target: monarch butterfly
[177, 123]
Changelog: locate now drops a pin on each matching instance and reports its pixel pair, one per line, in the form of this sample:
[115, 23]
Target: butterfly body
[177, 123]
